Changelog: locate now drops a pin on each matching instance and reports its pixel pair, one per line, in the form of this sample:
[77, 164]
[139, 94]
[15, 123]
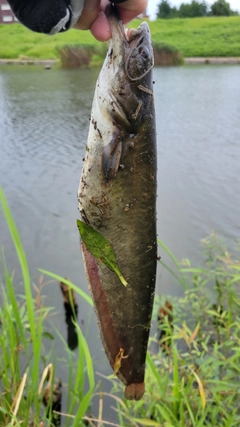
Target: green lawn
[192, 37]
[200, 36]
[17, 41]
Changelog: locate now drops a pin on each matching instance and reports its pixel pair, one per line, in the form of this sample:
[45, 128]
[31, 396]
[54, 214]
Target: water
[44, 119]
[198, 116]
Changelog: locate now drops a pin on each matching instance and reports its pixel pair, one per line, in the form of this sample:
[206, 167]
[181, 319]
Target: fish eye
[144, 52]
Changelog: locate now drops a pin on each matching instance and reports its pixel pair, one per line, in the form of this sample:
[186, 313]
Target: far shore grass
[196, 37]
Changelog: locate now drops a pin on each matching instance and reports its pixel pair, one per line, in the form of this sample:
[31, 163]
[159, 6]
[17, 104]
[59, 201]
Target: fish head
[130, 53]
[140, 59]
[127, 67]
[123, 101]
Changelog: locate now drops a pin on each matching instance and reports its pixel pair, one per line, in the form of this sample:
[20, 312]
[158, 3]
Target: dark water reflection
[44, 118]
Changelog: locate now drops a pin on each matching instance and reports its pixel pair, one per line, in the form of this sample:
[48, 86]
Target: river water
[44, 119]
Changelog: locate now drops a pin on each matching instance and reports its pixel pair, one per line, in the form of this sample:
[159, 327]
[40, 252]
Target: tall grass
[208, 36]
[22, 338]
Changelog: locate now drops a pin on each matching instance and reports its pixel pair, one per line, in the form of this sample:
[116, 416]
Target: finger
[89, 14]
[131, 9]
[100, 29]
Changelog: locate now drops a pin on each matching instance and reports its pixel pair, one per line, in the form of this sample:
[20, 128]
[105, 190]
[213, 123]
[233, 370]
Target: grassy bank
[192, 373]
[200, 36]
[192, 37]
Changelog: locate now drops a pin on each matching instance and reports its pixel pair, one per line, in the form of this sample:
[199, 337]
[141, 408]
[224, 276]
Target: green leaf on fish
[100, 248]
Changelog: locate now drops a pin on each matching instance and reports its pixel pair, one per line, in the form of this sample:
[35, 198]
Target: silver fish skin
[117, 197]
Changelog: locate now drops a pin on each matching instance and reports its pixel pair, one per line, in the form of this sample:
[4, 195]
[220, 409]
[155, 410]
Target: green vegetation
[23, 356]
[17, 41]
[207, 36]
[193, 372]
[200, 36]
[186, 10]
[222, 8]
[194, 9]
[166, 55]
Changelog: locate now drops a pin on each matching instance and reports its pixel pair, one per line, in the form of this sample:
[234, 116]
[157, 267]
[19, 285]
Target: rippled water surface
[44, 119]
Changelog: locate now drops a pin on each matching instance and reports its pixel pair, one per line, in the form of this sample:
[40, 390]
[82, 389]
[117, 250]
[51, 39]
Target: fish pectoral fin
[111, 155]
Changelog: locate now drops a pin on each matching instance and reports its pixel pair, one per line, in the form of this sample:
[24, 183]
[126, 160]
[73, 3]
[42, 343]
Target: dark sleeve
[43, 16]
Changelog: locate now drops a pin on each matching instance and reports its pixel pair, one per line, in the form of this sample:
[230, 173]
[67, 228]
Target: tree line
[194, 9]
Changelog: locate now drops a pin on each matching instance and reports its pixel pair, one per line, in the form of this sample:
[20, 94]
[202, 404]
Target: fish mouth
[140, 59]
[116, 25]
[133, 46]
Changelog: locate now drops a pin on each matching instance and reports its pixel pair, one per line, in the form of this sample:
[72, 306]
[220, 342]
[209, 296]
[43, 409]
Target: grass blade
[181, 279]
[27, 283]
[70, 284]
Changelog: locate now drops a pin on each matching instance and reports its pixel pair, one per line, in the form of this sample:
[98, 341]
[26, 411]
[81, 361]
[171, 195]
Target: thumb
[89, 14]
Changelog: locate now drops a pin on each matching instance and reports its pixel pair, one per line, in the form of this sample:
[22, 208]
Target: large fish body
[117, 197]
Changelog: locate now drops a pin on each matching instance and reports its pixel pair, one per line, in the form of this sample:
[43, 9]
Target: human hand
[94, 18]
[54, 16]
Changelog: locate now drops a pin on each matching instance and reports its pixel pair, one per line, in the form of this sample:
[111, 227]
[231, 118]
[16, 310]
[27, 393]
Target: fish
[117, 198]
